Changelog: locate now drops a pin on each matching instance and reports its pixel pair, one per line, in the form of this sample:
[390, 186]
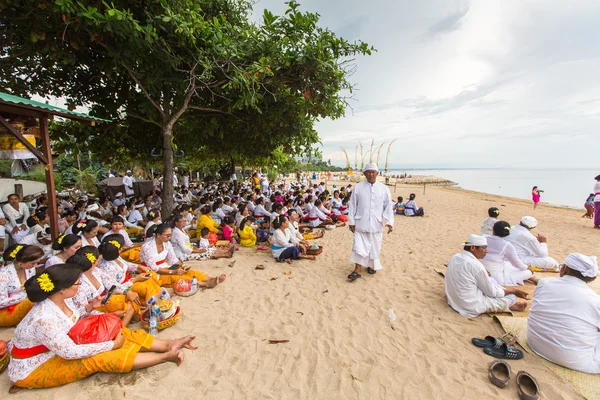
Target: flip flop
[489, 341]
[499, 373]
[353, 276]
[504, 351]
[527, 386]
[371, 271]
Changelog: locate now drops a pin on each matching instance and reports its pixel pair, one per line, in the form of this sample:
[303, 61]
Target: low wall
[7, 186]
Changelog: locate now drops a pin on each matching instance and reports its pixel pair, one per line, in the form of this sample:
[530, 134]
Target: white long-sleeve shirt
[469, 289]
[280, 241]
[181, 244]
[11, 289]
[316, 217]
[525, 243]
[128, 183]
[370, 207]
[154, 260]
[487, 226]
[13, 215]
[500, 250]
[564, 323]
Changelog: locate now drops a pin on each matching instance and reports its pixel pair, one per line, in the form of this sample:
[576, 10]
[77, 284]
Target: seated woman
[21, 261]
[260, 212]
[217, 211]
[185, 251]
[68, 218]
[38, 232]
[501, 260]
[43, 354]
[205, 221]
[338, 219]
[67, 246]
[411, 209]
[317, 217]
[158, 250]
[16, 214]
[153, 219]
[338, 206]
[282, 246]
[247, 233]
[130, 251]
[131, 229]
[297, 237]
[242, 213]
[229, 230]
[118, 272]
[88, 230]
[92, 288]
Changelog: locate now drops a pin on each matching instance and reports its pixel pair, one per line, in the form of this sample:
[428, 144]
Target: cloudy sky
[512, 83]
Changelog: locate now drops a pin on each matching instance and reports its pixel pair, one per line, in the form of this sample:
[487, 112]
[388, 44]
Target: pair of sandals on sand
[355, 275]
[499, 371]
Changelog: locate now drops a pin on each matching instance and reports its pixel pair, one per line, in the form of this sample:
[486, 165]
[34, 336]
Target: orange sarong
[132, 255]
[11, 316]
[58, 371]
[170, 280]
[118, 302]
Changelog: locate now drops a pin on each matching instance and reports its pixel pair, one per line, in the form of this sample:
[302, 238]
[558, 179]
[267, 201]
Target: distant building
[303, 160]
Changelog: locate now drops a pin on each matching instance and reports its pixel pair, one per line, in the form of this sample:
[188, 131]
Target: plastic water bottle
[392, 315]
[153, 322]
[194, 284]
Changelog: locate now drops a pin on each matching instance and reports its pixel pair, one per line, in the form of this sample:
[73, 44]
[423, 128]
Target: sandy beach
[342, 343]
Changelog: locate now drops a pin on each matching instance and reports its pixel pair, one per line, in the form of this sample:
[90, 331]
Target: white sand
[342, 343]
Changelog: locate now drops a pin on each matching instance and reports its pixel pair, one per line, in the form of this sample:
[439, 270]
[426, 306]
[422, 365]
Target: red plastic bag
[212, 238]
[96, 329]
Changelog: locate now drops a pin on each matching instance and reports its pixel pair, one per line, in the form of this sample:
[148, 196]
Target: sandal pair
[527, 386]
[496, 347]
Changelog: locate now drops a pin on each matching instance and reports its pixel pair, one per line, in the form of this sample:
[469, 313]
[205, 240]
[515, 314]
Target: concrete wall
[7, 186]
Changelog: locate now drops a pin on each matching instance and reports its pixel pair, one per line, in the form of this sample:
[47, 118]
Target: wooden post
[50, 190]
[19, 190]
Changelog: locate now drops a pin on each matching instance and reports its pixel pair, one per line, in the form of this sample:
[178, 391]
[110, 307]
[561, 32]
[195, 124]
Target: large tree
[179, 63]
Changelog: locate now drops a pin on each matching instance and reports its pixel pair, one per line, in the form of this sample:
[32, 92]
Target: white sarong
[366, 249]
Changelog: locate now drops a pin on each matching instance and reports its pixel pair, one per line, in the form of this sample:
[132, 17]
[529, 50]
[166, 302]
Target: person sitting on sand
[247, 233]
[317, 217]
[282, 247]
[43, 355]
[411, 209]
[185, 251]
[66, 246]
[531, 250]
[158, 257]
[487, 226]
[563, 321]
[130, 251]
[399, 206]
[206, 221]
[469, 289]
[20, 265]
[501, 260]
[589, 206]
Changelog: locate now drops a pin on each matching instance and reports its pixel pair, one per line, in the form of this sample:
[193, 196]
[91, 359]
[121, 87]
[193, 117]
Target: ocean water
[563, 187]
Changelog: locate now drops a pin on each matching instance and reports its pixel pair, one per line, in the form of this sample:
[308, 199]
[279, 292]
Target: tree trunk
[167, 192]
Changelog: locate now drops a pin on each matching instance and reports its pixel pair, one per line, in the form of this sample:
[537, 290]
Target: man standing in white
[370, 208]
[564, 320]
[128, 180]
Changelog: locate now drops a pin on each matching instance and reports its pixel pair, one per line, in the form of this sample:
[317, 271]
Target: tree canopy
[194, 74]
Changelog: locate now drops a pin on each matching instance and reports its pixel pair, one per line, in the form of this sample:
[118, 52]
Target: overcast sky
[510, 83]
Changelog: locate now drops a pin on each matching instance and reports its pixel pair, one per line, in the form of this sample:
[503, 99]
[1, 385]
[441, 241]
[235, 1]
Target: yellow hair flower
[45, 283]
[91, 257]
[60, 239]
[13, 254]
[115, 243]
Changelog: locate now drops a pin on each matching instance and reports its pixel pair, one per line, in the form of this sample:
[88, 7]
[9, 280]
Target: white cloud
[469, 83]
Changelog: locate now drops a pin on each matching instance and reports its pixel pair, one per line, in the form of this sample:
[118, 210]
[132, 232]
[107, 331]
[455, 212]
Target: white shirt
[280, 241]
[564, 322]
[370, 207]
[469, 289]
[500, 250]
[525, 243]
[122, 232]
[181, 244]
[410, 208]
[128, 183]
[11, 290]
[135, 216]
[487, 227]
[12, 215]
[155, 260]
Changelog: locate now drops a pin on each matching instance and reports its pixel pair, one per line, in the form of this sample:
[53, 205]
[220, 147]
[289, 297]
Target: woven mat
[588, 385]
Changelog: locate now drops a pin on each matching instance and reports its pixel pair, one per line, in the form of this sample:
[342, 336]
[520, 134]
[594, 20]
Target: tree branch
[150, 121]
[135, 79]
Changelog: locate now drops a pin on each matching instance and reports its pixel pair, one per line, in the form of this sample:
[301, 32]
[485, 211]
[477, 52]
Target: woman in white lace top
[67, 246]
[21, 260]
[43, 354]
[16, 214]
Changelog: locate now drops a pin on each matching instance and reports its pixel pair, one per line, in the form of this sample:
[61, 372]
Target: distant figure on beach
[399, 206]
[597, 202]
[469, 289]
[532, 250]
[411, 209]
[369, 209]
[563, 321]
[589, 206]
[535, 196]
[488, 223]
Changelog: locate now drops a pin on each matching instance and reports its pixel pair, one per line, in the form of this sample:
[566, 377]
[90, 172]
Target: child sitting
[399, 206]
[487, 226]
[229, 229]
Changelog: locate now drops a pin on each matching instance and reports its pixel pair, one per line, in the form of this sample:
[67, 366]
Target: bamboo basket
[161, 324]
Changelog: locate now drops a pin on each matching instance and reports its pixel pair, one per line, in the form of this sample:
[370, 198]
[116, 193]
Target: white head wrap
[119, 194]
[475, 240]
[529, 222]
[92, 207]
[587, 265]
[371, 167]
[128, 171]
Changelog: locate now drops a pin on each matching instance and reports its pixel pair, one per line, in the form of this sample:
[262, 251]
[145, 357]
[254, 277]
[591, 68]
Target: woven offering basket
[315, 252]
[185, 294]
[4, 361]
[161, 324]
